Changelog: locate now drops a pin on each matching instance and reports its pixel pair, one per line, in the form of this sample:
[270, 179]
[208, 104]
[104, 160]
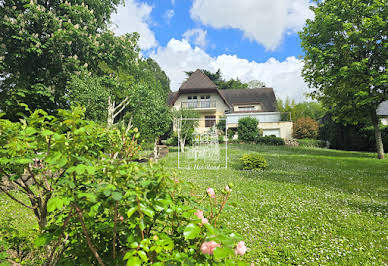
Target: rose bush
[96, 205]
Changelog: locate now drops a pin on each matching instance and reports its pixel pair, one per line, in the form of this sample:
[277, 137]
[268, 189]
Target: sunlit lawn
[311, 206]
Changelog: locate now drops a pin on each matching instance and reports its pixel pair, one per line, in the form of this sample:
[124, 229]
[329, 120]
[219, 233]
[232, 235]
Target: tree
[247, 129]
[305, 128]
[150, 113]
[43, 43]
[315, 110]
[185, 124]
[220, 82]
[256, 84]
[345, 59]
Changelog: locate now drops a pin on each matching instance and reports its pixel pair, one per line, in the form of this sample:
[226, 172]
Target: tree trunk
[111, 109]
[156, 148]
[182, 142]
[379, 140]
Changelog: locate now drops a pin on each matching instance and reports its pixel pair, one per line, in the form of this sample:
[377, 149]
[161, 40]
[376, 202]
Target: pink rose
[199, 214]
[227, 188]
[209, 247]
[211, 193]
[240, 248]
[204, 221]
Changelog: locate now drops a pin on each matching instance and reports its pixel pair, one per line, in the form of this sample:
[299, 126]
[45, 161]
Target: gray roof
[382, 109]
[198, 80]
[264, 96]
[171, 96]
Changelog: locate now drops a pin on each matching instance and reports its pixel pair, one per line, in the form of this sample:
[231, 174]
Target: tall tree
[314, 110]
[346, 53]
[43, 43]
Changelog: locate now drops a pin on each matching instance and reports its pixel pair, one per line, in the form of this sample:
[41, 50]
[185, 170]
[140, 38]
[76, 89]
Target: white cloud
[179, 56]
[169, 14]
[196, 36]
[265, 21]
[134, 16]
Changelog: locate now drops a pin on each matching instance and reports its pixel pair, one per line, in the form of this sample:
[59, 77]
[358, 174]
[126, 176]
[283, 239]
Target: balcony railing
[199, 104]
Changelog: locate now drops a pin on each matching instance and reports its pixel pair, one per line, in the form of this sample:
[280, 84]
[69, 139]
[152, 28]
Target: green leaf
[117, 196]
[42, 240]
[54, 203]
[89, 196]
[134, 261]
[142, 255]
[134, 245]
[131, 211]
[147, 211]
[141, 224]
[221, 253]
[191, 231]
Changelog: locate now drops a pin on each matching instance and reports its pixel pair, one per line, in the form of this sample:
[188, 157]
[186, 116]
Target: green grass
[311, 206]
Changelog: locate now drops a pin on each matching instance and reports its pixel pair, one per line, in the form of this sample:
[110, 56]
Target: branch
[117, 113]
[18, 201]
[66, 222]
[90, 244]
[63, 249]
[129, 125]
[122, 103]
[115, 230]
[34, 178]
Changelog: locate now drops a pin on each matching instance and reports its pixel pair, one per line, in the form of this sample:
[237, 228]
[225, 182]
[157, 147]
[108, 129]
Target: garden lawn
[311, 206]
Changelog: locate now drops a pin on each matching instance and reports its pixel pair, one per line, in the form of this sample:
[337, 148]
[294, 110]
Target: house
[382, 112]
[198, 92]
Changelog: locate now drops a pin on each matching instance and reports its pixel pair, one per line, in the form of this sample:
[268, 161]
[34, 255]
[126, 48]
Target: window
[247, 108]
[210, 121]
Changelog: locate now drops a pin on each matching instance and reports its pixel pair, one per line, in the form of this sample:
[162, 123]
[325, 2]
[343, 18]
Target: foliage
[358, 138]
[149, 111]
[345, 59]
[256, 84]
[247, 129]
[312, 143]
[305, 128]
[89, 92]
[253, 161]
[44, 44]
[269, 140]
[220, 82]
[314, 110]
[151, 72]
[187, 119]
[221, 125]
[87, 188]
[231, 133]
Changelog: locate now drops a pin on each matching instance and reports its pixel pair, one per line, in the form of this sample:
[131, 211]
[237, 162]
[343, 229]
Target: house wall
[219, 111]
[285, 128]
[262, 117]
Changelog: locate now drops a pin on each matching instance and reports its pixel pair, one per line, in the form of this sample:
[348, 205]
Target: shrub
[221, 125]
[253, 161]
[231, 133]
[305, 128]
[247, 129]
[270, 140]
[95, 205]
[312, 143]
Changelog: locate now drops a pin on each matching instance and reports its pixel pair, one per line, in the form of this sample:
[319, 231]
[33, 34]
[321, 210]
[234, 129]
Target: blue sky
[246, 39]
